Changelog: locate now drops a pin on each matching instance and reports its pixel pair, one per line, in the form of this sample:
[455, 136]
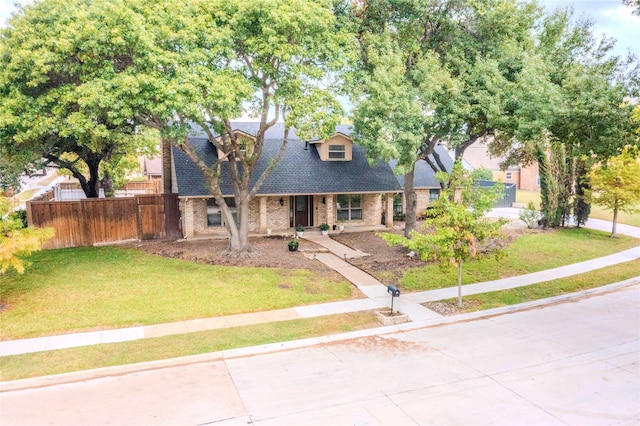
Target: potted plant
[300, 231]
[293, 244]
[341, 225]
[324, 228]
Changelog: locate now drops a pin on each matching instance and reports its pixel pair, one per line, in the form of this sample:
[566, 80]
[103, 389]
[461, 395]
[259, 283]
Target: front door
[301, 210]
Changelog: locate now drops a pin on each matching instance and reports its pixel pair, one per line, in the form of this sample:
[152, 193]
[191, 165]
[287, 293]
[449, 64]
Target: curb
[57, 379]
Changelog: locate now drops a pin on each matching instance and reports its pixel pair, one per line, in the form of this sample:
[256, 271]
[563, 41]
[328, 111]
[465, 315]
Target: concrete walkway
[377, 298]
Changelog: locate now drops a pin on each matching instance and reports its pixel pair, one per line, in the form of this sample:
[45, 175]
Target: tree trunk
[107, 184]
[166, 166]
[91, 188]
[615, 221]
[411, 201]
[239, 244]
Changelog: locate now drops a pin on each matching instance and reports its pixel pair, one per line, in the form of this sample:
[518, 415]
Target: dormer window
[245, 144]
[337, 148]
[337, 152]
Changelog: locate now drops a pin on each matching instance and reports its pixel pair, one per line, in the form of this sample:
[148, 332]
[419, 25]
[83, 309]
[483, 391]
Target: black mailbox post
[394, 293]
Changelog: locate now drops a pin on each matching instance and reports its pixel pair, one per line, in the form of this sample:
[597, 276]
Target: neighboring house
[317, 181]
[151, 167]
[426, 185]
[524, 177]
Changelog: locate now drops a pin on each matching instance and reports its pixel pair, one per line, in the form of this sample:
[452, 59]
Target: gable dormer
[246, 143]
[338, 147]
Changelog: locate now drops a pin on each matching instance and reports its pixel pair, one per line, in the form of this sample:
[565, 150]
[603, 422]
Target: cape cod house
[317, 181]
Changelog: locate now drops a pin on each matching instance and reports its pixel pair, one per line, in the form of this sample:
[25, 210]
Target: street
[575, 362]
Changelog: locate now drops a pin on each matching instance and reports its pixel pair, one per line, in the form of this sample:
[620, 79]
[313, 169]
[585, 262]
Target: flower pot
[293, 248]
[325, 233]
[341, 227]
[268, 231]
[300, 234]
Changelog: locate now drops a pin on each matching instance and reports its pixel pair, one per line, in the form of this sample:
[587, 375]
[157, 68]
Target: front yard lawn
[531, 252]
[92, 288]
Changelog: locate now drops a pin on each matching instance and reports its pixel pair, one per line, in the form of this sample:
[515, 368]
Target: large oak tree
[59, 63]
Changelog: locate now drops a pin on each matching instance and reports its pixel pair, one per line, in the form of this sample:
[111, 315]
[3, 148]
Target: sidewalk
[376, 292]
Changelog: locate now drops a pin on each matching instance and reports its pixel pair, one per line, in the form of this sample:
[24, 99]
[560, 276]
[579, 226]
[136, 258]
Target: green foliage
[323, 227]
[16, 242]
[615, 184]
[69, 88]
[585, 116]
[530, 215]
[482, 173]
[21, 215]
[581, 208]
[456, 229]
[443, 72]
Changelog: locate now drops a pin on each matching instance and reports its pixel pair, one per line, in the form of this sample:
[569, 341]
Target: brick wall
[529, 178]
[372, 209]
[277, 215]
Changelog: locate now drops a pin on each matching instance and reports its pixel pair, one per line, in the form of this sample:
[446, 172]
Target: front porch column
[389, 210]
[331, 218]
[263, 214]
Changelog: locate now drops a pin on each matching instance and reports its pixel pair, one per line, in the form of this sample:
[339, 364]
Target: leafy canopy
[615, 184]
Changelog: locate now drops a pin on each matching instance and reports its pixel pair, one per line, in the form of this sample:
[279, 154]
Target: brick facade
[267, 213]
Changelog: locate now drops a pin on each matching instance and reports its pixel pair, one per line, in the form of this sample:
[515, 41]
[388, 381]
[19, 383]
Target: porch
[280, 214]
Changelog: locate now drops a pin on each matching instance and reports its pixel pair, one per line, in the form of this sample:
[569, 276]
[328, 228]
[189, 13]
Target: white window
[509, 177]
[349, 207]
[434, 194]
[337, 152]
[214, 214]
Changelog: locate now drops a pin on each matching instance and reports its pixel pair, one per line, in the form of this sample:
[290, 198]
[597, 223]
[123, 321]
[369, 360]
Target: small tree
[456, 227]
[615, 184]
[482, 173]
[16, 241]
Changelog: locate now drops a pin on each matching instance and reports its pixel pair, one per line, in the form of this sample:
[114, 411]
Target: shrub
[530, 216]
[20, 215]
[482, 173]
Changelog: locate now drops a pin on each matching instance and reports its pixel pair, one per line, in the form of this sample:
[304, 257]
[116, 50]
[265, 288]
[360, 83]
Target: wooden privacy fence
[104, 220]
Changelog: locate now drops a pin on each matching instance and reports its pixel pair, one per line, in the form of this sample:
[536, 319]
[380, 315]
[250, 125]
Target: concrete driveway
[574, 363]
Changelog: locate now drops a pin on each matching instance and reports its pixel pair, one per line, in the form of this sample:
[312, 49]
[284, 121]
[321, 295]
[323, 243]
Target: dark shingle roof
[424, 176]
[300, 171]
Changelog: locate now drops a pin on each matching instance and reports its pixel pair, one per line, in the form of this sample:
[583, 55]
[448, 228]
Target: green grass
[597, 212]
[597, 278]
[75, 359]
[92, 288]
[531, 252]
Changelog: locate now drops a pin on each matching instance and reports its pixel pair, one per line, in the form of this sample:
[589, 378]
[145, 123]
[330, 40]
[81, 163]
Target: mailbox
[393, 290]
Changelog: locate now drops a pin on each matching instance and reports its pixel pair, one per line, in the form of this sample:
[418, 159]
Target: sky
[610, 17]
